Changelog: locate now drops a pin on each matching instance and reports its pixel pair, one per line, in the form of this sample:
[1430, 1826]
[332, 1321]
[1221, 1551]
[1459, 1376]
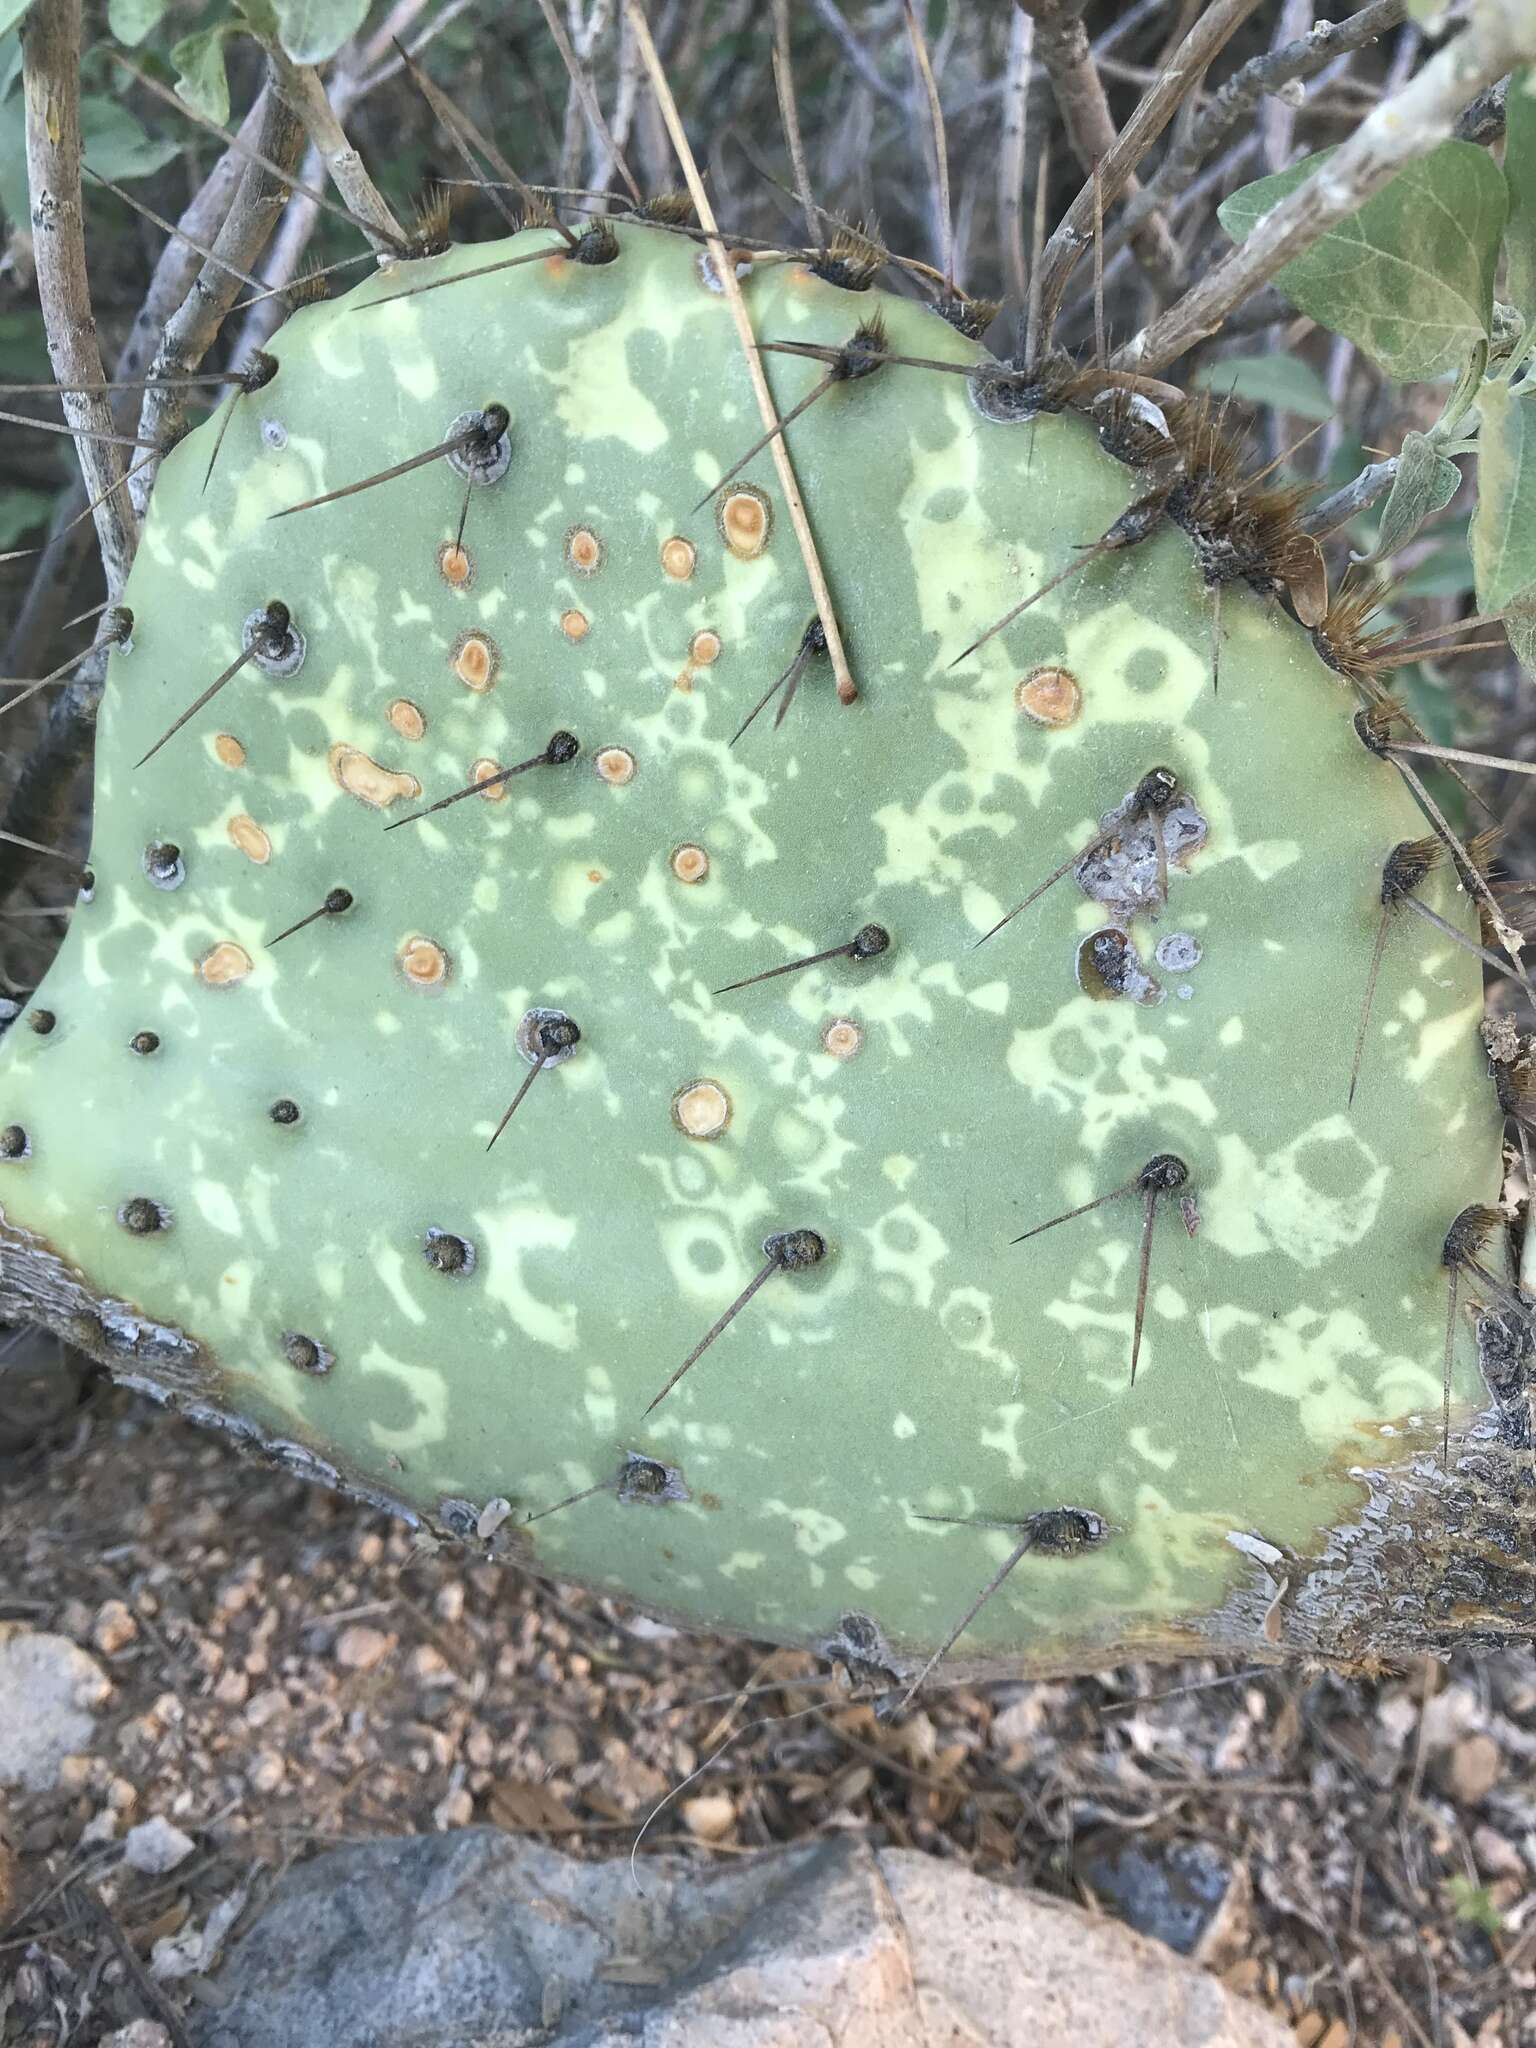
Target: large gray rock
[481, 1940]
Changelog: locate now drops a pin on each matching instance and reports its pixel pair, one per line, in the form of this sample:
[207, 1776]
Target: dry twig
[847, 689]
[51, 71]
[1499, 35]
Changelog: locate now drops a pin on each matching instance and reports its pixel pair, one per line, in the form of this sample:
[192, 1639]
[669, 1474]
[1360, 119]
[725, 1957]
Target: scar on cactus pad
[458, 515]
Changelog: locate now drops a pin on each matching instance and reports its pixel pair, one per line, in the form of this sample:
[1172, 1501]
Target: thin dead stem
[847, 689]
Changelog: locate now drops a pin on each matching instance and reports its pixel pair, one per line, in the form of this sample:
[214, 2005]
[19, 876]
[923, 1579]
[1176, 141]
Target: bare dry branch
[301, 85]
[574, 61]
[789, 117]
[51, 71]
[1499, 35]
[1235, 100]
[258, 203]
[923, 65]
[1351, 499]
[1061, 42]
[1010, 158]
[1211, 32]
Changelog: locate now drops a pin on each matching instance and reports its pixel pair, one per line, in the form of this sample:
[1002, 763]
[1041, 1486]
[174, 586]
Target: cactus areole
[802, 1051]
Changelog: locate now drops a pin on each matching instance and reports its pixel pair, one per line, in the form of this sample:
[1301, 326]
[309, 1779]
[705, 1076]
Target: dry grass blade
[924, 66]
[847, 689]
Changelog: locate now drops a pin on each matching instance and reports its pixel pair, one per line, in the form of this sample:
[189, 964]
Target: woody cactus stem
[262, 1161]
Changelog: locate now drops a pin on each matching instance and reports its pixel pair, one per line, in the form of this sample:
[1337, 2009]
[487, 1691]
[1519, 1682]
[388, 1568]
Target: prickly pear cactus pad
[292, 1012]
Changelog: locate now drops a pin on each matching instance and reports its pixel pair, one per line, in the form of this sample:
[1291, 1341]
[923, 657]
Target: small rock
[114, 1627]
[449, 1604]
[233, 1688]
[360, 1649]
[156, 1846]
[560, 1746]
[101, 1827]
[138, 2034]
[1450, 1715]
[454, 1810]
[1496, 1857]
[122, 1797]
[710, 1817]
[265, 1706]
[1182, 1893]
[266, 1771]
[1469, 1770]
[49, 1689]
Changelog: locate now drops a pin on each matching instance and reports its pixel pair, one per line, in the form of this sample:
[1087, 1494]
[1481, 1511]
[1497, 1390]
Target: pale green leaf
[1520, 626]
[312, 30]
[1504, 524]
[115, 144]
[1425, 484]
[1445, 573]
[15, 204]
[1283, 381]
[20, 511]
[1520, 176]
[1409, 277]
[131, 20]
[201, 79]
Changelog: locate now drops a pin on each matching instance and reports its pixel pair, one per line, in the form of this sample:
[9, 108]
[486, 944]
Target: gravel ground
[286, 1671]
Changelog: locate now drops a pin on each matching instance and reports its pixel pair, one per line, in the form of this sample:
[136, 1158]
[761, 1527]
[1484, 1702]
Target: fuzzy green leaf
[131, 20]
[1520, 629]
[1285, 382]
[1520, 177]
[1504, 524]
[201, 79]
[1425, 484]
[1409, 277]
[118, 146]
[312, 30]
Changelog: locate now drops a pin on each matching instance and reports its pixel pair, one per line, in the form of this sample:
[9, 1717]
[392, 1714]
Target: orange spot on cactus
[702, 1109]
[678, 557]
[575, 625]
[422, 961]
[248, 836]
[223, 965]
[229, 750]
[407, 718]
[1049, 696]
[478, 771]
[595, 875]
[476, 661]
[378, 787]
[690, 863]
[745, 519]
[704, 647]
[615, 765]
[583, 551]
[456, 565]
[842, 1038]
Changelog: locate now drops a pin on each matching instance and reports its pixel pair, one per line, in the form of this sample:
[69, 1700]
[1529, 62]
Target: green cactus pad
[295, 1178]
